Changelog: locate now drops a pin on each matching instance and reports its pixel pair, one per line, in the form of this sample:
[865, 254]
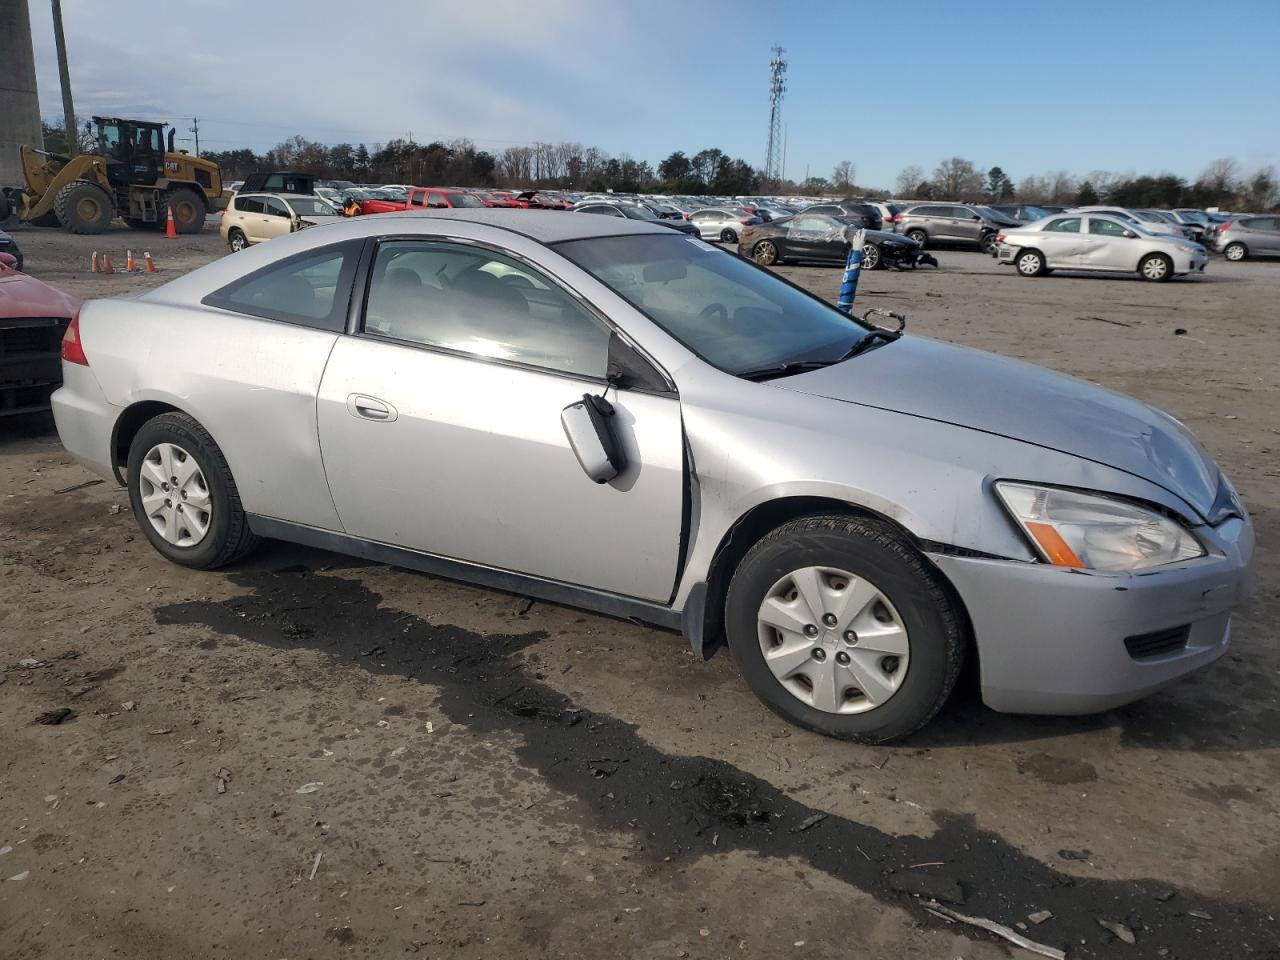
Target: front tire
[1156, 267]
[83, 207]
[188, 209]
[183, 495]
[841, 627]
[1030, 263]
[1235, 252]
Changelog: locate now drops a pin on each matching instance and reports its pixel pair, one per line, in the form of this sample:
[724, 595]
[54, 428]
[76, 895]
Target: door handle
[370, 408]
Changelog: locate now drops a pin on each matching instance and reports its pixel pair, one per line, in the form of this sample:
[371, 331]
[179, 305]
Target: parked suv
[858, 212]
[253, 217]
[1248, 237]
[967, 223]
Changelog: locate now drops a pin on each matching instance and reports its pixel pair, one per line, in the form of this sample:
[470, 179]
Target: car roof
[282, 196]
[545, 226]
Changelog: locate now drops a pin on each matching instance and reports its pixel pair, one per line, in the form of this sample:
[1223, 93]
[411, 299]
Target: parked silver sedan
[725, 225]
[1097, 243]
[604, 413]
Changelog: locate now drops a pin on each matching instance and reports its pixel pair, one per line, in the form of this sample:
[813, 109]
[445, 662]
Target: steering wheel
[712, 308]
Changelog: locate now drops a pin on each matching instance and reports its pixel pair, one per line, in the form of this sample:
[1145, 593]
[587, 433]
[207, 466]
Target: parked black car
[820, 238]
[856, 211]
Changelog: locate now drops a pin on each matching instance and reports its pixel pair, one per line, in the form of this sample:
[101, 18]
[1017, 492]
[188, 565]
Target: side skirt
[554, 591]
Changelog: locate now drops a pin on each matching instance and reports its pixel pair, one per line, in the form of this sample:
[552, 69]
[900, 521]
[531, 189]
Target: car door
[704, 221]
[1111, 246]
[965, 224]
[810, 237]
[1061, 241]
[439, 423]
[1263, 234]
[276, 219]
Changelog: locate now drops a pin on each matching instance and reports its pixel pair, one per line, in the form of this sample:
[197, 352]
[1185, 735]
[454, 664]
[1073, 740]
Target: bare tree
[1062, 187]
[1034, 189]
[1221, 176]
[957, 179]
[516, 164]
[842, 176]
[908, 181]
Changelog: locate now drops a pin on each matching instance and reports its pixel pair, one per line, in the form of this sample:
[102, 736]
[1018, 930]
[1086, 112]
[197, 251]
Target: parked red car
[33, 318]
[422, 197]
[533, 200]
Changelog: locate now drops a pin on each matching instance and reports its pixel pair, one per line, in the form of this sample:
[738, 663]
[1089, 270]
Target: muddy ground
[311, 756]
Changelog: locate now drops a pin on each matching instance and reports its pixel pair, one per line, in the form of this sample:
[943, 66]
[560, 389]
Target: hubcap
[175, 497]
[833, 640]
[1235, 252]
[1029, 263]
[1155, 268]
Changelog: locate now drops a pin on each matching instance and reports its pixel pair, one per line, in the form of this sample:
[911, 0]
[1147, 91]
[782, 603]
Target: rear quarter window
[310, 289]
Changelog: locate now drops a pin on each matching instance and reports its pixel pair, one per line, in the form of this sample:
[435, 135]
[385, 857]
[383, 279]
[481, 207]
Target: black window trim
[360, 299]
[336, 320]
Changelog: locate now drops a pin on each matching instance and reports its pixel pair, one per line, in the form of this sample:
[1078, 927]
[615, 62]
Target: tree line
[568, 165]
[1223, 184]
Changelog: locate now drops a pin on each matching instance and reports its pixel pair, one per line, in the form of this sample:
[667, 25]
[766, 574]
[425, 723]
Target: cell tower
[777, 87]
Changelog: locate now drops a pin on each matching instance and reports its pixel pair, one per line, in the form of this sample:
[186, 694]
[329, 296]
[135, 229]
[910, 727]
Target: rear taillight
[1224, 227]
[896, 218]
[999, 238]
[72, 349]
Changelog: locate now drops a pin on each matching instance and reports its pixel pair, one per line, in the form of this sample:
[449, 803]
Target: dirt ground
[309, 756]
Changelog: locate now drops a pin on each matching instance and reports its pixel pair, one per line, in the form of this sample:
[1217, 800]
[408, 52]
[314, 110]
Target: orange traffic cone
[151, 264]
[170, 228]
[106, 264]
[93, 262]
[130, 264]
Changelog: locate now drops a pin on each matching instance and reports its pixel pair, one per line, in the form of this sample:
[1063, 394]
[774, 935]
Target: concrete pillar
[19, 102]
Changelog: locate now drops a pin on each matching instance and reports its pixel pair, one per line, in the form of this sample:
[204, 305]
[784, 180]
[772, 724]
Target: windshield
[734, 315]
[1150, 217]
[311, 207]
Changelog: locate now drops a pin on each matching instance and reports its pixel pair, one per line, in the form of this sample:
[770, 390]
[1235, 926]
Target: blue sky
[1124, 86]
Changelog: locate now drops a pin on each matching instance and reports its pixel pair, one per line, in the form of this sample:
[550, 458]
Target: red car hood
[24, 296]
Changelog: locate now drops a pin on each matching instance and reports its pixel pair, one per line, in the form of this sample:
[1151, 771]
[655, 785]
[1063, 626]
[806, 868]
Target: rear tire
[871, 259]
[856, 559]
[728, 236]
[1235, 252]
[1030, 263]
[223, 527]
[1156, 267]
[188, 209]
[919, 236]
[83, 207]
[237, 241]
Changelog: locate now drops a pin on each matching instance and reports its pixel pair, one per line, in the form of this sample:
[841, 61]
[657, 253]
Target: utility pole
[777, 87]
[195, 128]
[64, 74]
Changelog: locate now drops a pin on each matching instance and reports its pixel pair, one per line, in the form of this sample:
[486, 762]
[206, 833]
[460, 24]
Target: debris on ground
[52, 718]
[310, 787]
[1118, 930]
[1040, 916]
[19, 876]
[929, 885]
[1118, 323]
[808, 822]
[315, 865]
[1075, 854]
[999, 929]
[223, 777]
[79, 486]
[129, 705]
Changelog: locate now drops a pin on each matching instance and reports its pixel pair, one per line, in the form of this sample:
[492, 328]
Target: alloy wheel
[870, 256]
[1235, 252]
[833, 640]
[175, 496]
[766, 253]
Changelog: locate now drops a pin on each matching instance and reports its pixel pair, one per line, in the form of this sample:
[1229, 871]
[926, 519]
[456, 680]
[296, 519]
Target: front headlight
[1096, 532]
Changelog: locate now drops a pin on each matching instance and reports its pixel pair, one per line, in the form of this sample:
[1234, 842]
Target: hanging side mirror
[588, 424]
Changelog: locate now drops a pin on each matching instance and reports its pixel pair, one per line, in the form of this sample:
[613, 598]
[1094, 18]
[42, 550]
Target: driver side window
[474, 301]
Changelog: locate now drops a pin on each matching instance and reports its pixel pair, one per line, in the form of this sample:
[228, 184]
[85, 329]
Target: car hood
[982, 391]
[24, 296]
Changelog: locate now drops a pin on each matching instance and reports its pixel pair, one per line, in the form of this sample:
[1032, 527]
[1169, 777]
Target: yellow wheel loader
[132, 176]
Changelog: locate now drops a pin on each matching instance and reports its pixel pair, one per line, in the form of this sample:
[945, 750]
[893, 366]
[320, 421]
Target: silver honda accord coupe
[603, 413]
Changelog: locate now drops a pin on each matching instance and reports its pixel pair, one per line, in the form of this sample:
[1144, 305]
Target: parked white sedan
[1097, 242]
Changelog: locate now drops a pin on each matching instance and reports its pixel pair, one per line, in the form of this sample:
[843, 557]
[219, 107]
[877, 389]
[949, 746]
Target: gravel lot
[311, 756]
